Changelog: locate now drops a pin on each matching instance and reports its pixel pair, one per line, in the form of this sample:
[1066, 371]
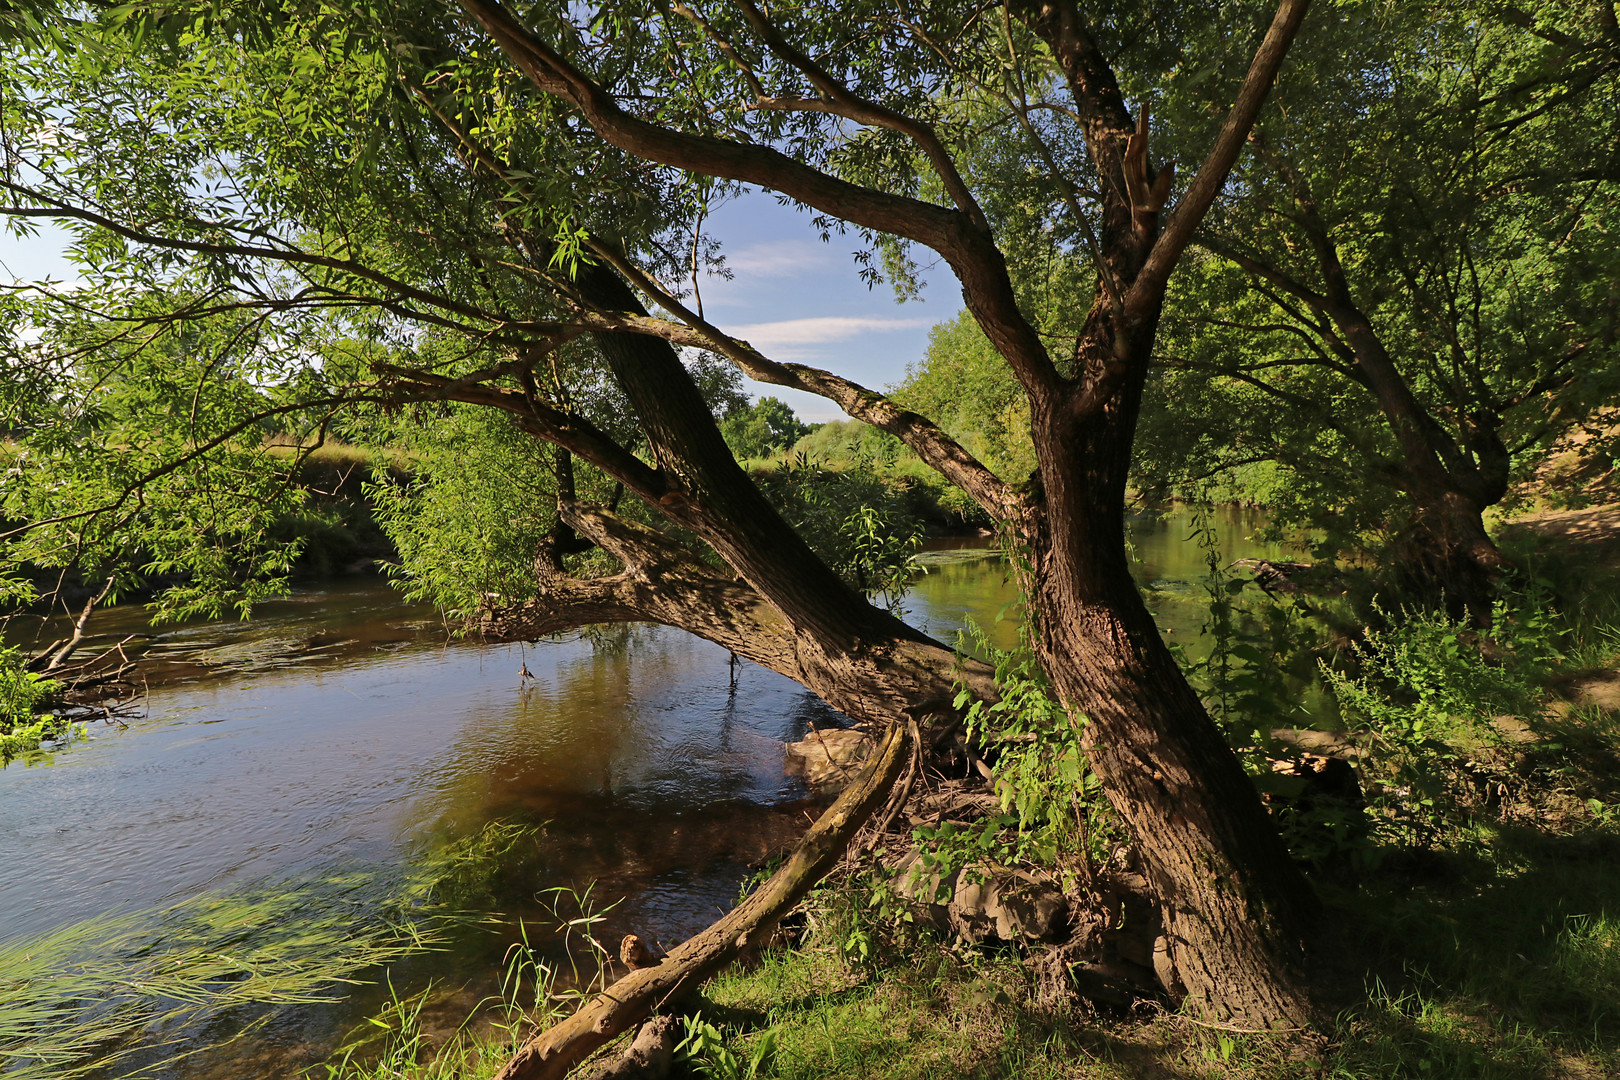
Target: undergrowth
[24, 723]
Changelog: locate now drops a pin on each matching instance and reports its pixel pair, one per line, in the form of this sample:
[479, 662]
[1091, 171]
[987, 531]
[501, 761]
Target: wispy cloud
[789, 258]
[789, 339]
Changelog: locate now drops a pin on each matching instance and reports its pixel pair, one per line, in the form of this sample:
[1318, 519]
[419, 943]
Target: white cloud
[790, 258]
[791, 335]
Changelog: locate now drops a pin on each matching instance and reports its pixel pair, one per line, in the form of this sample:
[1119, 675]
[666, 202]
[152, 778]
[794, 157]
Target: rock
[1333, 744]
[987, 903]
[828, 760]
[1602, 691]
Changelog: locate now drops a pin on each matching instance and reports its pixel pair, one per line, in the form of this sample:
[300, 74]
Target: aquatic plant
[22, 725]
[137, 990]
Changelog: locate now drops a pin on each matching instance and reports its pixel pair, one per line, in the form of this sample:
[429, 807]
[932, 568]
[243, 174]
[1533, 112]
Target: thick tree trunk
[1444, 555]
[1236, 908]
[1444, 552]
[1237, 912]
[882, 677]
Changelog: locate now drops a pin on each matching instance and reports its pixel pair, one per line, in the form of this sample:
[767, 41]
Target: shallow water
[340, 728]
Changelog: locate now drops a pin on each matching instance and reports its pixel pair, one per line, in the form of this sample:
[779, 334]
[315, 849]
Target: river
[341, 729]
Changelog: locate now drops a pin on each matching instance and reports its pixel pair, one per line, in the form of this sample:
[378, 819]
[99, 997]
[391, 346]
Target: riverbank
[1479, 943]
[1489, 951]
[1476, 926]
[1498, 962]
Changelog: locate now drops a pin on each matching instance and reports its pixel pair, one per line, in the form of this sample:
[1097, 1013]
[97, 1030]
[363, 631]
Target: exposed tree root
[550, 1054]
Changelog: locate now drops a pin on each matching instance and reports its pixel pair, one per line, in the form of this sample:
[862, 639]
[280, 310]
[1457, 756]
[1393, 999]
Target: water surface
[343, 728]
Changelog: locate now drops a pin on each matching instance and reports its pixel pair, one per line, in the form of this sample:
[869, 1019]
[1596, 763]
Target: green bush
[23, 724]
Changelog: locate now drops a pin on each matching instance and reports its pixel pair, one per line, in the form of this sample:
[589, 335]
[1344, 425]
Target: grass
[932, 1016]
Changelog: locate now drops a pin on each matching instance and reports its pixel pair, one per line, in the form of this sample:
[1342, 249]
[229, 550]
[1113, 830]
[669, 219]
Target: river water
[342, 728]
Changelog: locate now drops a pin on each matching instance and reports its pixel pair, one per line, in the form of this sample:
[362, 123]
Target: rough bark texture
[879, 678]
[1236, 910]
[1235, 906]
[650, 1055]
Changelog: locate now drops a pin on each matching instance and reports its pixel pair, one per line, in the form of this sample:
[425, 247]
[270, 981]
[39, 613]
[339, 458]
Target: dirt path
[1593, 533]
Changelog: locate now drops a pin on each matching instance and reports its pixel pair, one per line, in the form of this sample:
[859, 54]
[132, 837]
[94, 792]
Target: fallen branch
[550, 1054]
[58, 656]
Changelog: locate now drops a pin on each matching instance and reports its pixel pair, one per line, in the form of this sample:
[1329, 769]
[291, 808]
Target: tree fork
[553, 1052]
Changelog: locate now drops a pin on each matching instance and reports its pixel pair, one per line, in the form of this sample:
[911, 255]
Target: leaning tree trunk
[1443, 553]
[1236, 907]
[1237, 912]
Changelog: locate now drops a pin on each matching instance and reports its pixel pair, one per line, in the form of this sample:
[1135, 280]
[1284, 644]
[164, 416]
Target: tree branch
[860, 110]
[942, 453]
[969, 249]
[552, 1053]
[574, 433]
[1147, 291]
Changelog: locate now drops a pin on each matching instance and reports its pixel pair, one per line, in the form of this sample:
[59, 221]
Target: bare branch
[938, 450]
[869, 113]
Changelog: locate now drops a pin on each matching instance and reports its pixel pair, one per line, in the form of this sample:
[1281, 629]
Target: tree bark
[1236, 908]
[1237, 911]
[881, 677]
[1238, 914]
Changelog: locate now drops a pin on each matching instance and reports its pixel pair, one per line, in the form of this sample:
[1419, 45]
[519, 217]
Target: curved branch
[553, 1052]
[573, 433]
[139, 485]
[858, 109]
[57, 209]
[970, 250]
[937, 449]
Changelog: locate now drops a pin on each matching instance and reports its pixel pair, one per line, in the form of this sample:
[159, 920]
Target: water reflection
[342, 728]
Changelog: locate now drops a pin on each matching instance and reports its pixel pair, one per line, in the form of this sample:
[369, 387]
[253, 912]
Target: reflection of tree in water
[643, 758]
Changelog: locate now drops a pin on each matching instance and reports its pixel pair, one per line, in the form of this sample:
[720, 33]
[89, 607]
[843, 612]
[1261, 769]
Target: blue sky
[791, 295]
[35, 258]
[797, 298]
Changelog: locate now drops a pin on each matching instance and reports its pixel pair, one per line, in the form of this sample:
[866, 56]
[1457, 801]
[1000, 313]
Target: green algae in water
[129, 993]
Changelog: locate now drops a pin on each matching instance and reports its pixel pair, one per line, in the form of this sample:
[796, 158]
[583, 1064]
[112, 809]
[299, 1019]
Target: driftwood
[550, 1054]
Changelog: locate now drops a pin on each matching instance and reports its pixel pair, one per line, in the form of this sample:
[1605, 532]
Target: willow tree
[1417, 296]
[530, 182]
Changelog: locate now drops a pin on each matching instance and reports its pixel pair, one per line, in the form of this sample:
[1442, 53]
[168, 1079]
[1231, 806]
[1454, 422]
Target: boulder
[985, 903]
